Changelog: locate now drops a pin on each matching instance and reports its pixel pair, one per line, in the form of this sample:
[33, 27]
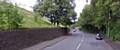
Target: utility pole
[108, 29]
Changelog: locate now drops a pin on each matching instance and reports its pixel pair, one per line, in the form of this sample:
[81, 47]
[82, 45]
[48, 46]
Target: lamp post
[108, 23]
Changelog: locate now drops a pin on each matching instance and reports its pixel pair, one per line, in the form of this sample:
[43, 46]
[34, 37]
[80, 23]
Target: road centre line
[81, 41]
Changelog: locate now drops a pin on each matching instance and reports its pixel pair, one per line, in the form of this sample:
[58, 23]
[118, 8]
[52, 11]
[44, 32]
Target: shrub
[10, 17]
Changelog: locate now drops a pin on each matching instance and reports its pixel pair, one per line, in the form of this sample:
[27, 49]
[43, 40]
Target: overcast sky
[80, 4]
[28, 4]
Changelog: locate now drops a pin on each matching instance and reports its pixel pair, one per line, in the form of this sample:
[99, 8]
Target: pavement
[80, 41]
[114, 44]
[45, 44]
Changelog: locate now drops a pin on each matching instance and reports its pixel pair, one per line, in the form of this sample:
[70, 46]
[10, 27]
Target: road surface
[80, 41]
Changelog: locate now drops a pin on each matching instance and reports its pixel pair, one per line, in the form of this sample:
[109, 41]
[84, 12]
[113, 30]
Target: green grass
[30, 22]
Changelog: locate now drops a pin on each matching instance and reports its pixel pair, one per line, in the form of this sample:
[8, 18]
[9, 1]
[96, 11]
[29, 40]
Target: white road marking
[80, 43]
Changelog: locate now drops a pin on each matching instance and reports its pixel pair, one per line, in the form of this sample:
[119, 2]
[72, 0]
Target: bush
[89, 28]
[10, 17]
[115, 32]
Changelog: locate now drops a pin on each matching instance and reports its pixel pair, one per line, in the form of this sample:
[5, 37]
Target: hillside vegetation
[13, 17]
[30, 20]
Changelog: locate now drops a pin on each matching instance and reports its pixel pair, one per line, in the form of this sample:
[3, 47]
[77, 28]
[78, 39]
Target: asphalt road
[80, 41]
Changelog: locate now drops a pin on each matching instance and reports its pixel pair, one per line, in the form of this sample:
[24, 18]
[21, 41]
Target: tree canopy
[58, 11]
[102, 15]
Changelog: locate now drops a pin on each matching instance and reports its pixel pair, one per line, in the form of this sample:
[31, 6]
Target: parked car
[99, 36]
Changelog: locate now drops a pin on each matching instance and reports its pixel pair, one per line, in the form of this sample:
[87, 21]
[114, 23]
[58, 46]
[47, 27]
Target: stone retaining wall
[22, 38]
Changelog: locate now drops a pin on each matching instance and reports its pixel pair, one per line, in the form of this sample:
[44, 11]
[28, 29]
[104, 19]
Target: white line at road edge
[81, 41]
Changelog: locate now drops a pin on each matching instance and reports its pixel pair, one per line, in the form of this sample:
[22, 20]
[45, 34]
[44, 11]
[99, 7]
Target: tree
[103, 15]
[57, 10]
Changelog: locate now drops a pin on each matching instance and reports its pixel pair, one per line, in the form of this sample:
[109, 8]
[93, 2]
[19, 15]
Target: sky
[80, 4]
[28, 4]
